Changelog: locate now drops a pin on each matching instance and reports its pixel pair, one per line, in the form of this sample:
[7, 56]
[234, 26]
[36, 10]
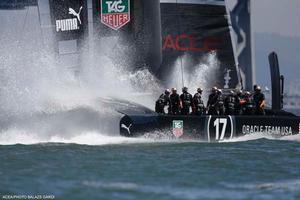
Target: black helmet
[184, 89]
[167, 91]
[258, 89]
[174, 90]
[200, 90]
[214, 89]
[247, 93]
[220, 91]
[238, 91]
[255, 87]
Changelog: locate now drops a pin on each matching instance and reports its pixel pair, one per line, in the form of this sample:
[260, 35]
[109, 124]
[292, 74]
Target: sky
[276, 27]
[275, 16]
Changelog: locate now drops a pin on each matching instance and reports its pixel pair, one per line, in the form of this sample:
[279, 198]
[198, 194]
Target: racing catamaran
[195, 28]
[157, 35]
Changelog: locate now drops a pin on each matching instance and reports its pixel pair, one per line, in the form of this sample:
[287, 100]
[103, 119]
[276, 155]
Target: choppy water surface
[141, 169]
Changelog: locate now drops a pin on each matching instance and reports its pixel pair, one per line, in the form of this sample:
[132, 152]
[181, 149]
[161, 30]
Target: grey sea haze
[239, 169]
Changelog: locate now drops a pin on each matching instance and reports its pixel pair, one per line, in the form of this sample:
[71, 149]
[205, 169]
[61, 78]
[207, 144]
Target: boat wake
[92, 137]
[42, 102]
[258, 136]
[13, 137]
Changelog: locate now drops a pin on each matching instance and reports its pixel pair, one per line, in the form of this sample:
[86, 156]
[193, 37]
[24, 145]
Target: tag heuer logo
[177, 128]
[115, 13]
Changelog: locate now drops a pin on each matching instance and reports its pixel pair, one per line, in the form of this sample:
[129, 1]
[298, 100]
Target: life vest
[237, 101]
[220, 101]
[174, 98]
[258, 99]
[199, 104]
[186, 101]
[231, 102]
[212, 100]
[161, 101]
[249, 103]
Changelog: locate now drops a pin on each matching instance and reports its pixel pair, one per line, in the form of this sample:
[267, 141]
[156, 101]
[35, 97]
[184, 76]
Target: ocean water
[246, 168]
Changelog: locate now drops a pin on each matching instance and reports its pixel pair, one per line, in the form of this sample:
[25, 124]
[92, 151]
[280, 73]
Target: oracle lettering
[187, 42]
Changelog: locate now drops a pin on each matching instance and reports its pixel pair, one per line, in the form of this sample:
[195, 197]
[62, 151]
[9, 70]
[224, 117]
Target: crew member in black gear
[186, 101]
[198, 104]
[255, 87]
[230, 103]
[175, 102]
[259, 101]
[162, 102]
[238, 102]
[212, 102]
[220, 103]
[248, 104]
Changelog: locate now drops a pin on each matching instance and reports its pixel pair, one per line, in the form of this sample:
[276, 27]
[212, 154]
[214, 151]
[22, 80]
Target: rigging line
[40, 22]
[182, 78]
[23, 26]
[179, 26]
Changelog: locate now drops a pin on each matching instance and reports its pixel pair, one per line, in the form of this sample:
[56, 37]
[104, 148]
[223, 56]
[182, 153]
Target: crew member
[162, 102]
[220, 102]
[259, 101]
[212, 102]
[255, 87]
[198, 108]
[238, 102]
[175, 102]
[186, 101]
[248, 104]
[230, 104]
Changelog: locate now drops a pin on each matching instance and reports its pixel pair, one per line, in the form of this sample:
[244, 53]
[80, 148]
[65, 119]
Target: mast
[241, 19]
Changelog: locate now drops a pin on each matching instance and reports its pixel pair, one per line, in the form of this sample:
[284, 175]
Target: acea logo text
[115, 13]
[69, 24]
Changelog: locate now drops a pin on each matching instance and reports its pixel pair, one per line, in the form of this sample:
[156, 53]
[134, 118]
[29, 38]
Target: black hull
[209, 128]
